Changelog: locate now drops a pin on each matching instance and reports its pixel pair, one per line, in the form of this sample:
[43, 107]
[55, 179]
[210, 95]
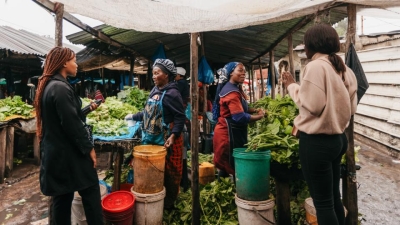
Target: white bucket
[78, 216]
[149, 208]
[255, 212]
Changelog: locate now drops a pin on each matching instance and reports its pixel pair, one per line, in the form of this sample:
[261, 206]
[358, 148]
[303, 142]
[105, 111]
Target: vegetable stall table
[119, 147]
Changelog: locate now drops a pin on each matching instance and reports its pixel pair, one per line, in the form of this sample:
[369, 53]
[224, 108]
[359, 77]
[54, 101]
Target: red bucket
[119, 208]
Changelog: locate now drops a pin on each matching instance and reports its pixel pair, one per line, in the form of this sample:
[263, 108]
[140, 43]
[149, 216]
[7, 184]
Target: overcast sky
[27, 15]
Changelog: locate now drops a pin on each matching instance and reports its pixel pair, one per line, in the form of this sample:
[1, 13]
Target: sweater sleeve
[308, 96]
[138, 116]
[70, 120]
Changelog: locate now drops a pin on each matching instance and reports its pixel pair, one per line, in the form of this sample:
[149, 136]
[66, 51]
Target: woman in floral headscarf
[232, 114]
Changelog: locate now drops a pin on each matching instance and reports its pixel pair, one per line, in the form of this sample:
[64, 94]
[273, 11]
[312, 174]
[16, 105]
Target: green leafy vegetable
[274, 132]
[217, 202]
[134, 96]
[14, 106]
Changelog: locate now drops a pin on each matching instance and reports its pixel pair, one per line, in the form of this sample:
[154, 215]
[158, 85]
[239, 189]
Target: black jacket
[172, 106]
[65, 162]
[183, 88]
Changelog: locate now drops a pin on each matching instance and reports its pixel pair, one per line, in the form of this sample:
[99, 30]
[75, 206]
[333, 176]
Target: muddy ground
[378, 195]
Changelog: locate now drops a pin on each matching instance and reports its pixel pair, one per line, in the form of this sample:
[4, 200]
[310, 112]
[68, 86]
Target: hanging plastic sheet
[206, 74]
[354, 64]
[159, 54]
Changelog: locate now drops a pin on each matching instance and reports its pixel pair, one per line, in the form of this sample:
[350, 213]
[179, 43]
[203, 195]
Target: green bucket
[252, 174]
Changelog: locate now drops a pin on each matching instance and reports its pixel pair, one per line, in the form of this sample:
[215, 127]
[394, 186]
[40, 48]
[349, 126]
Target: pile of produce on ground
[15, 107]
[217, 202]
[108, 118]
[202, 158]
[274, 132]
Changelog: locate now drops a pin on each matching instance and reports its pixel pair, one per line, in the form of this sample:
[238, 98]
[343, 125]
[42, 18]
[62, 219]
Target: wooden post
[194, 142]
[252, 83]
[262, 79]
[272, 68]
[251, 99]
[9, 151]
[117, 169]
[3, 135]
[291, 61]
[205, 127]
[283, 201]
[59, 10]
[132, 67]
[349, 183]
[104, 81]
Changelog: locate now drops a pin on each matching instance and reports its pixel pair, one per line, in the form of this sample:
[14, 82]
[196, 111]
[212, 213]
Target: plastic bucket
[252, 174]
[255, 212]
[78, 216]
[149, 166]
[311, 213]
[119, 208]
[149, 208]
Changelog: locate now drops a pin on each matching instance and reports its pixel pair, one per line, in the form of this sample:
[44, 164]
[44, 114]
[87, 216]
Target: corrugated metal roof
[242, 45]
[24, 42]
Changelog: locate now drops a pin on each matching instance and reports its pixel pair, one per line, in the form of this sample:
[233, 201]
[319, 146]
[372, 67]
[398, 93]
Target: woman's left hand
[287, 79]
[170, 141]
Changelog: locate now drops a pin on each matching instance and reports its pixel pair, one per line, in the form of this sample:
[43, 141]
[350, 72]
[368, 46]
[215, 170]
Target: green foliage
[202, 158]
[134, 96]
[14, 106]
[341, 27]
[274, 132]
[108, 118]
[217, 202]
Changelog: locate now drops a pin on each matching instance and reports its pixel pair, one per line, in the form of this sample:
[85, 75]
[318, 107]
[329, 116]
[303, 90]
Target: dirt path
[379, 190]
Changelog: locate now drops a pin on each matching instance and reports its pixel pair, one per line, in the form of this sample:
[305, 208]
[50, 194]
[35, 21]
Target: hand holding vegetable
[129, 117]
[287, 79]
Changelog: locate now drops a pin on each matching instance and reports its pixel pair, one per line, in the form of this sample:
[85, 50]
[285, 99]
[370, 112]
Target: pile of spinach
[15, 106]
[202, 158]
[134, 96]
[274, 132]
[217, 203]
[108, 118]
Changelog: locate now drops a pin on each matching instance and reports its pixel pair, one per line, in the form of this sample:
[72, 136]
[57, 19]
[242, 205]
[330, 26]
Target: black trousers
[91, 201]
[320, 157]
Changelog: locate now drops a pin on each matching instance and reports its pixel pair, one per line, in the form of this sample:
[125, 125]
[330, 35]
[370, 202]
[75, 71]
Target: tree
[341, 27]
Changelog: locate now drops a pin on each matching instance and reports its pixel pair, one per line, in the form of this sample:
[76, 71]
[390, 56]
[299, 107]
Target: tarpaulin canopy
[183, 16]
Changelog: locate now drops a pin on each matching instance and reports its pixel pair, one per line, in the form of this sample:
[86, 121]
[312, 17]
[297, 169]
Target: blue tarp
[132, 131]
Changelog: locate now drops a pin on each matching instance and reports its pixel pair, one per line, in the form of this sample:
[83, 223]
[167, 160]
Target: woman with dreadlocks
[163, 120]
[232, 114]
[68, 158]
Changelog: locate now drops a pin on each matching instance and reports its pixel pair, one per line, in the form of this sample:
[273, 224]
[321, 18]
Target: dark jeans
[91, 203]
[320, 157]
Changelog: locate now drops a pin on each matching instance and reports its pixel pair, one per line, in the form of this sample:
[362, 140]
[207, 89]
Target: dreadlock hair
[55, 60]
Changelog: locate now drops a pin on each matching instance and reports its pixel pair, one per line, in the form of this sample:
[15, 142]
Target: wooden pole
[272, 68]
[3, 141]
[104, 81]
[59, 10]
[349, 183]
[132, 67]
[251, 99]
[9, 151]
[262, 79]
[205, 127]
[283, 201]
[194, 142]
[252, 83]
[291, 60]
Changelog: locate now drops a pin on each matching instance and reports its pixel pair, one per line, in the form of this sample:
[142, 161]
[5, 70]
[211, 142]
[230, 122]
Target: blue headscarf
[224, 76]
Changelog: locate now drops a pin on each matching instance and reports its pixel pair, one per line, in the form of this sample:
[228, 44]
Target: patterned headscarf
[166, 65]
[224, 76]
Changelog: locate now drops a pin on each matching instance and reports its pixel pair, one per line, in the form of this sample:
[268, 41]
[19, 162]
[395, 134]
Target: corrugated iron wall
[378, 114]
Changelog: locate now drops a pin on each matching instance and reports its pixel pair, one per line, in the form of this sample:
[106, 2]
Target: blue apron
[154, 129]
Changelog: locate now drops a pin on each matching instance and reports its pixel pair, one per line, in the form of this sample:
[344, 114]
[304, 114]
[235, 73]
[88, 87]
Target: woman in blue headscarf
[232, 114]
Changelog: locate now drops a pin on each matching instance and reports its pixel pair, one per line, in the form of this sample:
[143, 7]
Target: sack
[206, 75]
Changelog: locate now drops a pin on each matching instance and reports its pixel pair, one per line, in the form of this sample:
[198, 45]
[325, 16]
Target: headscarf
[167, 66]
[224, 76]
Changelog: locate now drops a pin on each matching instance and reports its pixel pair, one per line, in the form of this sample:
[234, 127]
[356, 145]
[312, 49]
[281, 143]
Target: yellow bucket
[148, 167]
